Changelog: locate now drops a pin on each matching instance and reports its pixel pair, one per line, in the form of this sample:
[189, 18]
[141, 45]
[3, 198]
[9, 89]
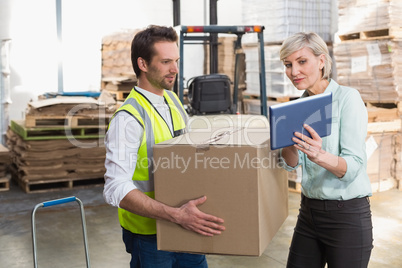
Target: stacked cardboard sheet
[56, 159]
[374, 67]
[60, 144]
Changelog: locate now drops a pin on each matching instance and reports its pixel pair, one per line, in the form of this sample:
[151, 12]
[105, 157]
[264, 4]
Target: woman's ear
[142, 64]
[322, 61]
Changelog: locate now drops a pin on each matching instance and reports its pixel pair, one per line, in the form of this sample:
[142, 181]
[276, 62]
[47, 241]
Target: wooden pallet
[119, 95]
[4, 184]
[39, 186]
[65, 121]
[276, 99]
[53, 133]
[393, 32]
[380, 112]
[385, 126]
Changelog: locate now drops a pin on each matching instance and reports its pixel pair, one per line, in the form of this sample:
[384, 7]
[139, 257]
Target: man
[150, 114]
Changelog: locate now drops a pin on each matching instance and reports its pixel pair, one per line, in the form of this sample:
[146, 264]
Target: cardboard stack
[367, 58]
[226, 59]
[5, 161]
[118, 76]
[360, 17]
[374, 67]
[397, 159]
[60, 144]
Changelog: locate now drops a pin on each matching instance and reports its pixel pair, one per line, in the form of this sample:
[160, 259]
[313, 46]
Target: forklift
[211, 93]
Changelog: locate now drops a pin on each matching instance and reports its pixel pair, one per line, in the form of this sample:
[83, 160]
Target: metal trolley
[58, 202]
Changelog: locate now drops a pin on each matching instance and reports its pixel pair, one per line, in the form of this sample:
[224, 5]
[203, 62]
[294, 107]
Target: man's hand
[191, 218]
[188, 215]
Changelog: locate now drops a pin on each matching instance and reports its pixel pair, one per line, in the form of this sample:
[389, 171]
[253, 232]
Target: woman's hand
[312, 147]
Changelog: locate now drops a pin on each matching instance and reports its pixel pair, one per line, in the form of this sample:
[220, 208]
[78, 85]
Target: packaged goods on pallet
[360, 19]
[284, 18]
[277, 83]
[44, 162]
[116, 54]
[374, 67]
[72, 111]
[226, 59]
[60, 144]
[118, 76]
[397, 163]
[380, 161]
[5, 161]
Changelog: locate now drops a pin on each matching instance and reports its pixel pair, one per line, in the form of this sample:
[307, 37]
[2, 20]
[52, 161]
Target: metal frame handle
[54, 203]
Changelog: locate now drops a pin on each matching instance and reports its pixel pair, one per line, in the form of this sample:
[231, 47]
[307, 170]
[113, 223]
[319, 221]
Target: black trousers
[338, 233]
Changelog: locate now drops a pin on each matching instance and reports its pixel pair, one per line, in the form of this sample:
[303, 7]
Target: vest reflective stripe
[178, 105]
[155, 130]
[145, 186]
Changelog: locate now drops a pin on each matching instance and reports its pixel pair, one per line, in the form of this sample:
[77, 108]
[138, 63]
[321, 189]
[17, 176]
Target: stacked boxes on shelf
[367, 57]
[60, 144]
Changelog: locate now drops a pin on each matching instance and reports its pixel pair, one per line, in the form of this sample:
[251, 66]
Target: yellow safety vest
[155, 130]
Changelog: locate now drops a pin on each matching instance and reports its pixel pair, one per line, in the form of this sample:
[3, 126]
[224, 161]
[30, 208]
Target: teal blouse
[347, 140]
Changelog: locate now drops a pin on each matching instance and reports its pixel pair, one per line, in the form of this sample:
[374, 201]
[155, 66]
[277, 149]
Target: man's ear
[142, 64]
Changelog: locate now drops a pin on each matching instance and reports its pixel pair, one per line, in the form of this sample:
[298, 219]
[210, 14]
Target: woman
[334, 224]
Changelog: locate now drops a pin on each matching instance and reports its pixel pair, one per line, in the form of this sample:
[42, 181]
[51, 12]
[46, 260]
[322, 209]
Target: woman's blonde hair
[311, 40]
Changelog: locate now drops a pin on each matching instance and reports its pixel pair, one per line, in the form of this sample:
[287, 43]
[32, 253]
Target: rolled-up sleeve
[285, 166]
[122, 141]
[353, 132]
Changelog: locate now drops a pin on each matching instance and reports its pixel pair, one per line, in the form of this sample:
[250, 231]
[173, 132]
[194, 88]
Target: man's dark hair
[143, 43]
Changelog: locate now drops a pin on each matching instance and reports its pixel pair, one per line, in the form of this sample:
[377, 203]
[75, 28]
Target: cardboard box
[242, 180]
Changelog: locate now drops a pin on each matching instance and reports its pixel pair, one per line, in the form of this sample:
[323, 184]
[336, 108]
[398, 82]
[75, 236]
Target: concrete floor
[60, 243]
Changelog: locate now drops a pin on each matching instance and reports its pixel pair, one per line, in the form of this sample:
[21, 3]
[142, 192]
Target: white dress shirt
[122, 142]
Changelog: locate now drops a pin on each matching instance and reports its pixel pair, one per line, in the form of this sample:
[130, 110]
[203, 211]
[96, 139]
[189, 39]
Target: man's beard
[160, 82]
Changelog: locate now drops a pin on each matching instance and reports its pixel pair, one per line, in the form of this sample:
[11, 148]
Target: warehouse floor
[60, 243]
